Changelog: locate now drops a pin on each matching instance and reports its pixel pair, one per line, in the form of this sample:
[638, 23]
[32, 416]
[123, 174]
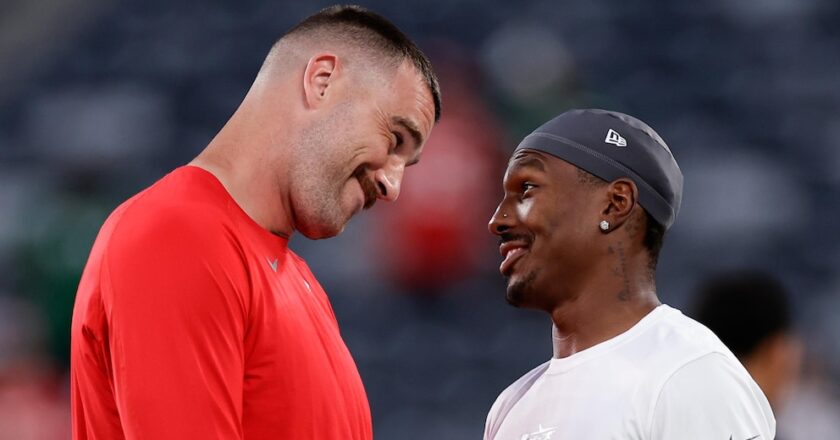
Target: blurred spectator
[34, 403]
[750, 312]
[812, 411]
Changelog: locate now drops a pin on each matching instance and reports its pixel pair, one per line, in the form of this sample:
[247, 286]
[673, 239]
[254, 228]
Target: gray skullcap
[612, 145]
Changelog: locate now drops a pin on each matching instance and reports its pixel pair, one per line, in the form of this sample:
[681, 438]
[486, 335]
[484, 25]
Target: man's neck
[610, 304]
[237, 157]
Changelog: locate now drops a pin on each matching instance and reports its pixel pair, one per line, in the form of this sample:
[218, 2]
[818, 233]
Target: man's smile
[512, 251]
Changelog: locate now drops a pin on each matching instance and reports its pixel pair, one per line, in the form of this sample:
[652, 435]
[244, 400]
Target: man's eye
[527, 186]
[398, 139]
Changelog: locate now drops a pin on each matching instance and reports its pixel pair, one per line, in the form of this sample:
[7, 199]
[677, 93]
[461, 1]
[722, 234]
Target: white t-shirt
[666, 378]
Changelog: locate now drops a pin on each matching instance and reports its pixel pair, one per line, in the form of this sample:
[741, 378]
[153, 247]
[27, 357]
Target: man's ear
[622, 196]
[320, 72]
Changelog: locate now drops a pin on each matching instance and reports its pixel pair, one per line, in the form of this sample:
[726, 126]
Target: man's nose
[500, 222]
[389, 180]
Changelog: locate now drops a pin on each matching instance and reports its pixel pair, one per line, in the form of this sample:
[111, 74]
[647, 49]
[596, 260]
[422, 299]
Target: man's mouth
[368, 187]
[512, 251]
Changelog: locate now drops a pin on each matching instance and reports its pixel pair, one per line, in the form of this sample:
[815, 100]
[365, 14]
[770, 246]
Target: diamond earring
[604, 225]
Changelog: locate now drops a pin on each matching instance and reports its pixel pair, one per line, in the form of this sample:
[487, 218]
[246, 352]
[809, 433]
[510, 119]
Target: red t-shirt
[193, 322]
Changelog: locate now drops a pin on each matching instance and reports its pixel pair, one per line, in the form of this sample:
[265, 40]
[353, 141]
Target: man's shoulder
[679, 358]
[676, 343]
[722, 389]
[670, 342]
[179, 208]
[697, 352]
[676, 339]
[186, 191]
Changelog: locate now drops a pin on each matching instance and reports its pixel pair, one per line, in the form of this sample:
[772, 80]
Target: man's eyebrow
[411, 128]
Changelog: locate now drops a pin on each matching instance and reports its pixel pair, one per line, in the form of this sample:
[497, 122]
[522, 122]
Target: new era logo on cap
[614, 138]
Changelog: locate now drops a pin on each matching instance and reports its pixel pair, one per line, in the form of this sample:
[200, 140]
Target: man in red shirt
[193, 319]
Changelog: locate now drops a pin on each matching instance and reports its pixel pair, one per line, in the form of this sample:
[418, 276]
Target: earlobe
[604, 225]
[622, 196]
[318, 76]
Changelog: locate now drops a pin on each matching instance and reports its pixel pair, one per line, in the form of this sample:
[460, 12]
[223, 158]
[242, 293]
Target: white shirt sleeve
[491, 426]
[712, 397]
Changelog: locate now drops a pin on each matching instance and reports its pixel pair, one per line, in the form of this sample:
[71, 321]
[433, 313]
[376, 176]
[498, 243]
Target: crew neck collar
[564, 364]
[234, 208]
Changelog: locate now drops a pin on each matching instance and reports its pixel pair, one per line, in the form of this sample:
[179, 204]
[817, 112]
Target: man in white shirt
[588, 197]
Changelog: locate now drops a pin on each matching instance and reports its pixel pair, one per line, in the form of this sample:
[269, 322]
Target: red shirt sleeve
[174, 286]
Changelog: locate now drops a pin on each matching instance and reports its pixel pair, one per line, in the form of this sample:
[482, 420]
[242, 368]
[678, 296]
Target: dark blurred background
[98, 99]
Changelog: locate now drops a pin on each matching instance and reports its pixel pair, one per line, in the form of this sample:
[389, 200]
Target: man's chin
[323, 229]
[515, 297]
[519, 289]
[322, 235]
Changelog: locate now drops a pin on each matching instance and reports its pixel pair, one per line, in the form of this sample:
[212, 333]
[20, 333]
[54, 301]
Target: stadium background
[98, 99]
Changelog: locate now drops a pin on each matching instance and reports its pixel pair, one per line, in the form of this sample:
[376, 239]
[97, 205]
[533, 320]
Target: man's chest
[297, 366]
[575, 408]
[291, 325]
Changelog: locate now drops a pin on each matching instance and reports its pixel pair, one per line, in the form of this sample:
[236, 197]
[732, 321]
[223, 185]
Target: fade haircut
[654, 231]
[367, 30]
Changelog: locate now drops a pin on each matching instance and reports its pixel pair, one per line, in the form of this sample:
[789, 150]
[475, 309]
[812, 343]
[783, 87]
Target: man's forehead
[535, 160]
[527, 159]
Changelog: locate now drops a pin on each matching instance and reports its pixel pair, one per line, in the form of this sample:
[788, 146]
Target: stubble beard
[519, 291]
[321, 175]
[318, 180]
[318, 209]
